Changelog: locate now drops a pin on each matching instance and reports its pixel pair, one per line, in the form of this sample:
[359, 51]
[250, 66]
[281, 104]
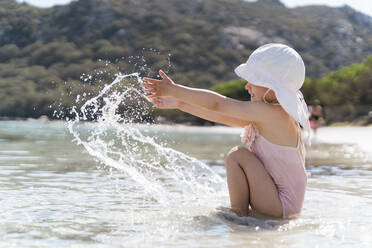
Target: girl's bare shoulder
[270, 112]
[280, 128]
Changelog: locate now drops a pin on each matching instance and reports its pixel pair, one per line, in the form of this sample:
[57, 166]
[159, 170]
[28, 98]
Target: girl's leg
[250, 184]
[237, 184]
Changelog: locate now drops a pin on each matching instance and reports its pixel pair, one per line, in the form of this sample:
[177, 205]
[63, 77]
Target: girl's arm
[212, 116]
[243, 110]
[168, 102]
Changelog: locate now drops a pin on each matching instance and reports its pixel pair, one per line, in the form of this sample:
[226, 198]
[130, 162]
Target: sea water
[100, 180]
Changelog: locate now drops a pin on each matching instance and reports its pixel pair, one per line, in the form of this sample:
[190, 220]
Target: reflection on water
[353, 151]
[53, 193]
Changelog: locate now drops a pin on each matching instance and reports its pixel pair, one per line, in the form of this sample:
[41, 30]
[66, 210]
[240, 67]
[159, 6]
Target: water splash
[161, 174]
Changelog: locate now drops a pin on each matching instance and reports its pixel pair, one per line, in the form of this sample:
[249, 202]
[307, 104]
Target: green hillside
[48, 55]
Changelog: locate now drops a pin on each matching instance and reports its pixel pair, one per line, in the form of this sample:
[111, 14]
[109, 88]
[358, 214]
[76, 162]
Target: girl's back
[282, 130]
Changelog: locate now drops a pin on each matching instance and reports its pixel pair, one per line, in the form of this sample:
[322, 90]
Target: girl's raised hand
[157, 87]
[165, 102]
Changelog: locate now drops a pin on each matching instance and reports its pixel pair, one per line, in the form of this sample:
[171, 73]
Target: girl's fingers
[149, 91]
[163, 75]
[156, 102]
[147, 99]
[146, 82]
[156, 99]
[152, 96]
[146, 85]
[151, 80]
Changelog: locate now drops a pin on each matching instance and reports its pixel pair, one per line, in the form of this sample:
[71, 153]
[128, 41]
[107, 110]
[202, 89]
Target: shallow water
[54, 192]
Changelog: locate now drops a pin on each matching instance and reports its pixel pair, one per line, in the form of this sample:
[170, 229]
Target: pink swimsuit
[285, 164]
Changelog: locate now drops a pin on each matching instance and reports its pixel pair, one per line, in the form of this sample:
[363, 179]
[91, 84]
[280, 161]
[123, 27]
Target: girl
[268, 172]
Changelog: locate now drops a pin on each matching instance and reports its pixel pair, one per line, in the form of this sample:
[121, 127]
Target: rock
[121, 33]
[357, 17]
[272, 2]
[242, 37]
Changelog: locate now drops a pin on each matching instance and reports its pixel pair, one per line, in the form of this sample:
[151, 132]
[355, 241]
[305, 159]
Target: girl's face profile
[257, 93]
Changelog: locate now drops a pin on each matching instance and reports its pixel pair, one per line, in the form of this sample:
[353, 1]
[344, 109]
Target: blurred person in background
[316, 116]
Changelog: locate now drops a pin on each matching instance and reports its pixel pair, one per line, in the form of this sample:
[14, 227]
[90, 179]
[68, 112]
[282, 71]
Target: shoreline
[181, 126]
[187, 124]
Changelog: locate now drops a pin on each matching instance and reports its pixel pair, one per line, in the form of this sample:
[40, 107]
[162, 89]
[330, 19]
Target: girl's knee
[234, 154]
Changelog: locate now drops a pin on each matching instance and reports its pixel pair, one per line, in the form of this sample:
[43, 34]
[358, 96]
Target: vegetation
[346, 93]
[234, 89]
[49, 56]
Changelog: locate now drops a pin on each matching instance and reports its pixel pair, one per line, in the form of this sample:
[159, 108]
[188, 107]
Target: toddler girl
[267, 173]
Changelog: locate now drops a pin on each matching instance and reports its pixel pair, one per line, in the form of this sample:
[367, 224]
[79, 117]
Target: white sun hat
[281, 69]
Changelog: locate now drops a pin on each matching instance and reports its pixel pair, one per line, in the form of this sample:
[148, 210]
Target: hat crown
[280, 62]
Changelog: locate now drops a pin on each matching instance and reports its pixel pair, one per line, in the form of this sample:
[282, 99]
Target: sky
[364, 6]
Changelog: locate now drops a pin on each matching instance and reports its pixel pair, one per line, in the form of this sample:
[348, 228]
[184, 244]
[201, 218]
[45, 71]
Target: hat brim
[250, 73]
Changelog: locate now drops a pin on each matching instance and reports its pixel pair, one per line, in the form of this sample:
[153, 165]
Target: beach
[54, 192]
